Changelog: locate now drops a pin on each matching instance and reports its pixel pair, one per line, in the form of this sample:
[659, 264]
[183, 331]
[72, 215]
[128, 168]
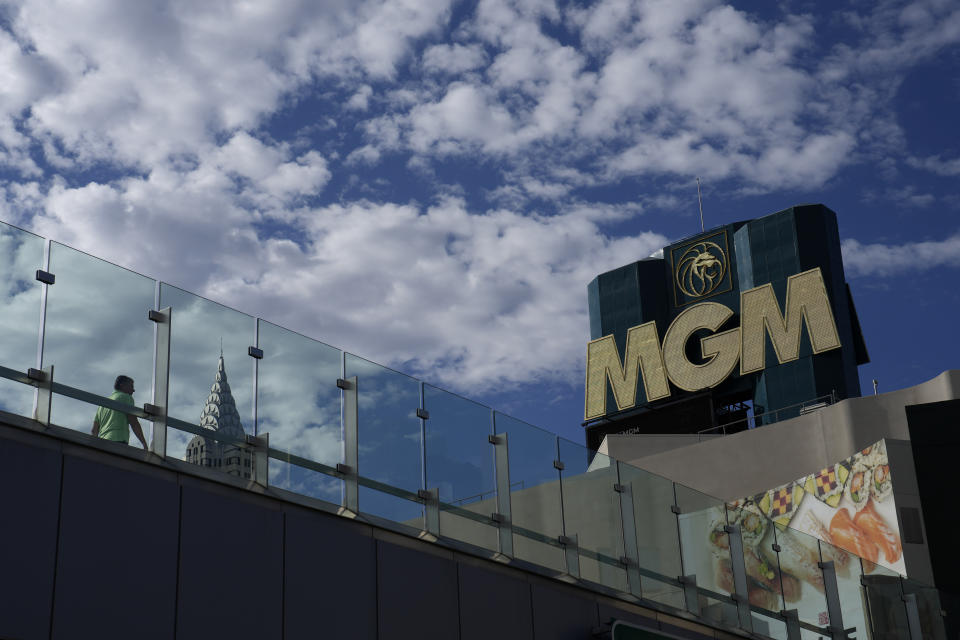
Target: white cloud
[467, 116]
[453, 59]
[937, 165]
[360, 100]
[888, 260]
[468, 299]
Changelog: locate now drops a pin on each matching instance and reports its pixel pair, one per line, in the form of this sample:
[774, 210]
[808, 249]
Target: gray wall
[749, 462]
[102, 540]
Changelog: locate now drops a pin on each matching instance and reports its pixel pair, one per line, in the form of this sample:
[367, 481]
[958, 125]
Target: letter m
[760, 314]
[642, 356]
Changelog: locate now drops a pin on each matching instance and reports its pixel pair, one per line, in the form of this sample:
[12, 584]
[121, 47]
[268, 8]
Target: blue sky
[431, 184]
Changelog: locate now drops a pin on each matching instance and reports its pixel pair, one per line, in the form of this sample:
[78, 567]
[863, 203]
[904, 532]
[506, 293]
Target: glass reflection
[21, 254]
[211, 380]
[460, 463]
[389, 439]
[705, 549]
[928, 608]
[96, 329]
[847, 567]
[658, 544]
[534, 491]
[801, 577]
[591, 511]
[298, 405]
[764, 580]
[886, 608]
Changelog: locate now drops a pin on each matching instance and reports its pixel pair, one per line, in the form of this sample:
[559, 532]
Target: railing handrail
[826, 399]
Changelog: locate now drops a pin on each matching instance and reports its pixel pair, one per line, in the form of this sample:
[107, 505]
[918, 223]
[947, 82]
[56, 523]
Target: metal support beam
[501, 453]
[629, 528]
[431, 510]
[255, 352]
[792, 619]
[261, 458]
[832, 592]
[741, 597]
[913, 616]
[571, 554]
[690, 595]
[41, 334]
[44, 381]
[351, 487]
[163, 323]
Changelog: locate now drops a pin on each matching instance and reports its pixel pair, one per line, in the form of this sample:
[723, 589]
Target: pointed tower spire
[220, 412]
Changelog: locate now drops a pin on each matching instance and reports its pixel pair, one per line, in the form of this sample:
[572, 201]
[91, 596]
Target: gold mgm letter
[760, 315]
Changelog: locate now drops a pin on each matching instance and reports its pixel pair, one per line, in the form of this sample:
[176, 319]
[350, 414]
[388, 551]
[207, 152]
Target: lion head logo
[701, 269]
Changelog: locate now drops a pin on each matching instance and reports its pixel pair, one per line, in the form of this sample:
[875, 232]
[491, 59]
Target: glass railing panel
[768, 624]
[658, 539]
[97, 328]
[591, 511]
[764, 582]
[460, 464]
[535, 503]
[928, 608]
[298, 405]
[211, 375]
[21, 254]
[852, 604]
[705, 550]
[390, 440]
[886, 609]
[801, 577]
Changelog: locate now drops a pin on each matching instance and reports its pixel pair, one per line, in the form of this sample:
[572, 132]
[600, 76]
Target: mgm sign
[646, 358]
[753, 316]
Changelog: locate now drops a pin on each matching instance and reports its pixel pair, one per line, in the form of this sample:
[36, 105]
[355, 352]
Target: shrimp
[849, 536]
[870, 522]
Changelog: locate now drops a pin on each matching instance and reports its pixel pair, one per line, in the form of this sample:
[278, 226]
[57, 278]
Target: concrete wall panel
[231, 569]
[117, 527]
[330, 578]
[30, 495]
[493, 605]
[562, 614]
[416, 594]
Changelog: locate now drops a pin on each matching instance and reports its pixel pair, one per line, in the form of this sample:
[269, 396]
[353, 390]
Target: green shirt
[114, 424]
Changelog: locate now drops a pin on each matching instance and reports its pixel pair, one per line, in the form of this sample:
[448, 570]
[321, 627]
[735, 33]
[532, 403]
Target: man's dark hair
[120, 381]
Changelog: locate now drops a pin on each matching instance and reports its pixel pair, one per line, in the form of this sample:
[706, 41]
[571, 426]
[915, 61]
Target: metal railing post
[261, 458]
[791, 617]
[913, 613]
[567, 540]
[350, 466]
[257, 354]
[42, 329]
[163, 323]
[571, 554]
[832, 592]
[691, 596]
[431, 510]
[501, 452]
[44, 396]
[628, 524]
[741, 597]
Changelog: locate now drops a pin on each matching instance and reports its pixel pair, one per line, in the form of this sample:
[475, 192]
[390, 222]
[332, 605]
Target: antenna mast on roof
[700, 201]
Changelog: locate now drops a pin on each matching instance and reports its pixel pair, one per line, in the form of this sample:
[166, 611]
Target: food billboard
[848, 506]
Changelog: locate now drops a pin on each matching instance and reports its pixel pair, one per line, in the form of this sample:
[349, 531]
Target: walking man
[111, 424]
